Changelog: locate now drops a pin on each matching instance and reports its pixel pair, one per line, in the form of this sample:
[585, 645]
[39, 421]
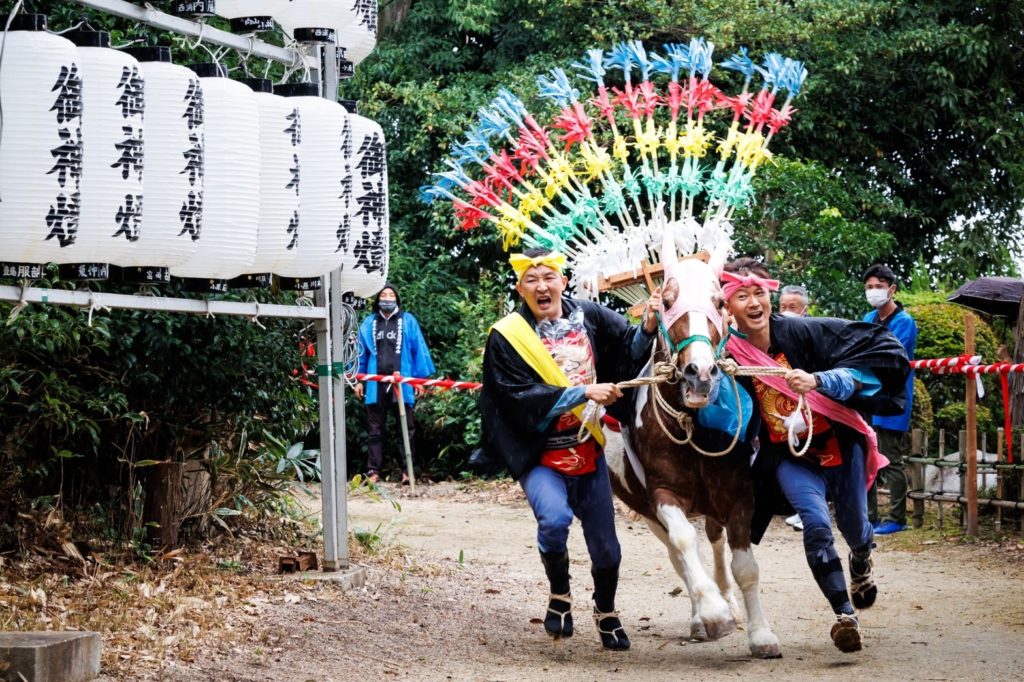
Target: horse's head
[693, 324]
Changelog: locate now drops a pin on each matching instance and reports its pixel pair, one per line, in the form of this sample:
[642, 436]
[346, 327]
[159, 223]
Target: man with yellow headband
[542, 365]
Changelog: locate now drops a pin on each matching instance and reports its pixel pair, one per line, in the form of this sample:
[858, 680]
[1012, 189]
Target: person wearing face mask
[840, 368]
[793, 301]
[894, 431]
[390, 341]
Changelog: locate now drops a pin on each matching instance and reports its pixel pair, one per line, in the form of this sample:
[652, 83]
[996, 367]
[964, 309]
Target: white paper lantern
[40, 146]
[354, 21]
[280, 135]
[251, 14]
[173, 176]
[365, 266]
[113, 156]
[323, 213]
[231, 201]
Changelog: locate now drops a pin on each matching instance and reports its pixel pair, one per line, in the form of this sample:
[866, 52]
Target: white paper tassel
[40, 148]
[365, 266]
[231, 200]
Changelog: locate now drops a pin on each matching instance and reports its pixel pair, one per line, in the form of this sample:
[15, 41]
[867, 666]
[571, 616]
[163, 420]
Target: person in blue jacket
[893, 432]
[390, 341]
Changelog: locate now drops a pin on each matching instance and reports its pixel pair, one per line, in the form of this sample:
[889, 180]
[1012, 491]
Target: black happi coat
[816, 344]
[514, 401]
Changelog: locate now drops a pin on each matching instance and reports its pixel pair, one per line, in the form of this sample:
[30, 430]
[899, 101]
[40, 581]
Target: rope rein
[668, 372]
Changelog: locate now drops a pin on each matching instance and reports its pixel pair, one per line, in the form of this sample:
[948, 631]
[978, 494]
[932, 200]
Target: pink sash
[748, 354]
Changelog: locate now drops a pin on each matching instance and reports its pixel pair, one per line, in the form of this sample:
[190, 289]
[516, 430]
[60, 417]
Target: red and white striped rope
[426, 383]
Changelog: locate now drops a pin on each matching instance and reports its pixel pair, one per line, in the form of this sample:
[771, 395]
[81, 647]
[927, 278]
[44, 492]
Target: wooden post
[972, 432]
[917, 475]
[999, 478]
[405, 437]
[163, 504]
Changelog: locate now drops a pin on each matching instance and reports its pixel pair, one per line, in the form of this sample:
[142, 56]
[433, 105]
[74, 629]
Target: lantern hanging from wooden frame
[40, 146]
[173, 175]
[231, 201]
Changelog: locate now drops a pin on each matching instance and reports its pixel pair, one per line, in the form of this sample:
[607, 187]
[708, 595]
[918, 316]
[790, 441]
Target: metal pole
[335, 517]
[328, 471]
[972, 433]
[209, 34]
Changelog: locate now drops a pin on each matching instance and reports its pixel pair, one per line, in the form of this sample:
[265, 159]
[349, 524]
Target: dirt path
[942, 614]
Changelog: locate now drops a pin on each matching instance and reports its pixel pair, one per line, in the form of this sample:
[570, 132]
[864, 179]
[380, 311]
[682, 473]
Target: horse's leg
[712, 609]
[716, 535]
[697, 632]
[763, 642]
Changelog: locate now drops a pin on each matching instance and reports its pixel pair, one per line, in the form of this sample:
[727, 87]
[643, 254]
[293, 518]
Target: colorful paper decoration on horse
[40, 146]
[636, 144]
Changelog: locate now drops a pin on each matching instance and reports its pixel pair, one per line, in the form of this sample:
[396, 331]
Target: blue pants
[806, 485]
[555, 498]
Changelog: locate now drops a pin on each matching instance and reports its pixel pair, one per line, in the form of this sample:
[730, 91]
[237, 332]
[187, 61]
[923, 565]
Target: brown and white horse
[657, 470]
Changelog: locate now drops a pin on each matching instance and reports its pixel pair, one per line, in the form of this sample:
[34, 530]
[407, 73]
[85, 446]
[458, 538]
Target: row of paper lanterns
[144, 164]
[354, 22]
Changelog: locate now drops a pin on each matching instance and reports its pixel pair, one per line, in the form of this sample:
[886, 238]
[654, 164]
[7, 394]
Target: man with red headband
[542, 365]
[839, 368]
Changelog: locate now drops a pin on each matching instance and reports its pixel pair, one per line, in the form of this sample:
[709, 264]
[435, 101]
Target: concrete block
[49, 656]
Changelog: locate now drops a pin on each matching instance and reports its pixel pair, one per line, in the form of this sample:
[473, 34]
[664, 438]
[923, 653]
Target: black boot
[609, 627]
[862, 580]
[558, 619]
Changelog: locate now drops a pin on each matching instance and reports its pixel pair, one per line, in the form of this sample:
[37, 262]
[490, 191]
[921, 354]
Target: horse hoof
[766, 651]
[697, 632]
[717, 630]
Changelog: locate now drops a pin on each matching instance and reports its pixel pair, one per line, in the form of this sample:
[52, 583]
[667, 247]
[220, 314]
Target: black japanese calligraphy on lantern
[132, 98]
[293, 230]
[128, 217]
[193, 104]
[371, 204]
[62, 219]
[295, 129]
[367, 11]
[132, 154]
[191, 215]
[67, 158]
[346, 188]
[294, 182]
[369, 252]
[346, 138]
[68, 87]
[343, 233]
[193, 159]
[371, 153]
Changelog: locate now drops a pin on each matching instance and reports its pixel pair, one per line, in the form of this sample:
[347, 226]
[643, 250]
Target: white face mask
[877, 297]
[790, 313]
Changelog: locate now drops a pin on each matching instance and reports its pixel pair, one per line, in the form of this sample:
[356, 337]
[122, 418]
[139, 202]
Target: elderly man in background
[793, 301]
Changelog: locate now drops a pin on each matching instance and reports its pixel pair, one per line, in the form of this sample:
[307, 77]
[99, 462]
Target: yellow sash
[532, 350]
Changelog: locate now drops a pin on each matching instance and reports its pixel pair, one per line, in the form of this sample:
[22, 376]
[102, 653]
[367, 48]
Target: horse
[660, 472]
